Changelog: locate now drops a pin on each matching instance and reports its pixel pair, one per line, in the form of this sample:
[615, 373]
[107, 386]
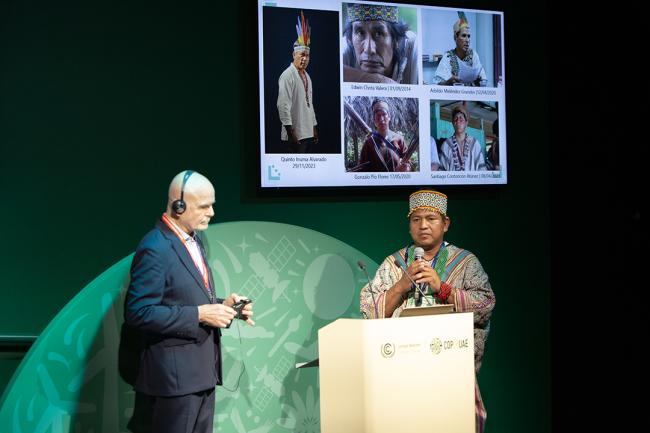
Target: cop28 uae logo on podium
[435, 346]
[387, 350]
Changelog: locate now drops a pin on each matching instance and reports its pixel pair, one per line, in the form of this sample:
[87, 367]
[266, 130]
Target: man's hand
[450, 82]
[216, 315]
[423, 273]
[355, 75]
[404, 283]
[291, 134]
[404, 166]
[315, 135]
[246, 311]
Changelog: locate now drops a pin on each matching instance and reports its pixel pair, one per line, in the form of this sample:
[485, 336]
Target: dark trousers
[192, 413]
[301, 147]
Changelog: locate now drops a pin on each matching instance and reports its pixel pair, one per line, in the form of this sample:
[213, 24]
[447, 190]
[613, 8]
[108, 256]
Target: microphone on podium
[362, 266]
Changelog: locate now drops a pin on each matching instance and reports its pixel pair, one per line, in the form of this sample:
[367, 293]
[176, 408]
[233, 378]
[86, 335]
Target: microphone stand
[362, 266]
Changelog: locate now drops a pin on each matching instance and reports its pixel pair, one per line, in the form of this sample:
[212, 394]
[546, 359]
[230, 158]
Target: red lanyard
[200, 266]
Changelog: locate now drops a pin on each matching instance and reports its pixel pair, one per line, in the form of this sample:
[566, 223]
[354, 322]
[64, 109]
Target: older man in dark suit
[171, 301]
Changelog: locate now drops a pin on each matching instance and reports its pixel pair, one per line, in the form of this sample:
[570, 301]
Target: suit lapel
[207, 265]
[184, 256]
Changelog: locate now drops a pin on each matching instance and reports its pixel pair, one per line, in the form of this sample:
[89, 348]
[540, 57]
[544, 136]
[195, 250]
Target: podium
[412, 374]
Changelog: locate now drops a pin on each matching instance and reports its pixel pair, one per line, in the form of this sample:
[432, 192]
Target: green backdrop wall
[103, 102]
[78, 376]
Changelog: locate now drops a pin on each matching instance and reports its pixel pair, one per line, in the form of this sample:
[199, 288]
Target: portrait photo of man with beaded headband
[379, 44]
[444, 273]
[301, 81]
[461, 48]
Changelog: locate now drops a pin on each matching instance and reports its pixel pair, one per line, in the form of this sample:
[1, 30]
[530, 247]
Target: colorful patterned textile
[472, 293]
[448, 66]
[465, 156]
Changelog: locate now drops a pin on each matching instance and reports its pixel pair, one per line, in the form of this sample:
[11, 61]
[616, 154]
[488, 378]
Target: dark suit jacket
[179, 356]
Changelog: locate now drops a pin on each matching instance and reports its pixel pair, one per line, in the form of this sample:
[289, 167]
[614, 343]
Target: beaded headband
[364, 12]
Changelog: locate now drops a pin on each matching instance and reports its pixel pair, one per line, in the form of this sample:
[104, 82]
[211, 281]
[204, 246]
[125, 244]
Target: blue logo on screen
[274, 174]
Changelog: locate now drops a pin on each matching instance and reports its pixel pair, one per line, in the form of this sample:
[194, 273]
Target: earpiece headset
[179, 206]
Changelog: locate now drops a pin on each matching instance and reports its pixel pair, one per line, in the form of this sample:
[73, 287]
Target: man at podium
[443, 273]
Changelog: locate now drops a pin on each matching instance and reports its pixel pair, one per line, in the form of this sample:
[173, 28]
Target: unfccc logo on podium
[435, 346]
[387, 350]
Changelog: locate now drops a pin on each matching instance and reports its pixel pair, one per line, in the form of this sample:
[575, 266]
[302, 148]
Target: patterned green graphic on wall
[76, 377]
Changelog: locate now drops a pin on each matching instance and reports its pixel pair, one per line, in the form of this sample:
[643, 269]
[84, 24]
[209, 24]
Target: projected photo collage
[378, 94]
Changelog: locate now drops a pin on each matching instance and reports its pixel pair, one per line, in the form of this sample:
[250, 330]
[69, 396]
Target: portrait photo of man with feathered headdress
[462, 48]
[301, 81]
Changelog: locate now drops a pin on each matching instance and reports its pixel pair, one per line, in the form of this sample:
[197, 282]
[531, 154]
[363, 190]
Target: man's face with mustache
[301, 59]
[373, 46]
[462, 40]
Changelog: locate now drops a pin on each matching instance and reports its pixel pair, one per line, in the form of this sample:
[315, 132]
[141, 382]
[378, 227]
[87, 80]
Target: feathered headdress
[304, 34]
[461, 23]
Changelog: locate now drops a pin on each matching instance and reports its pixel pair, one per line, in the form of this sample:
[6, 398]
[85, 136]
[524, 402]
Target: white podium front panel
[411, 374]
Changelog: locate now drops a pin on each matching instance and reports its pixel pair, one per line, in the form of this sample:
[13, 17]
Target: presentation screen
[380, 94]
